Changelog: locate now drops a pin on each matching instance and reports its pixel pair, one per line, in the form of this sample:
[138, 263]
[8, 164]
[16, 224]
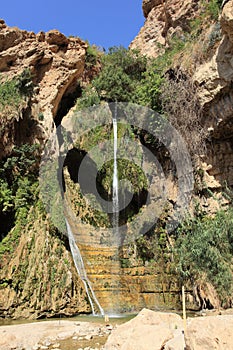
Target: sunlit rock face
[214, 80]
[163, 20]
[55, 63]
[213, 77]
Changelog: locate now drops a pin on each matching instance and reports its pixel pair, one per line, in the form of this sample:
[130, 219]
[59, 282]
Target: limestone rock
[163, 20]
[156, 330]
[213, 332]
[34, 294]
[148, 5]
[148, 330]
[227, 20]
[55, 62]
[54, 37]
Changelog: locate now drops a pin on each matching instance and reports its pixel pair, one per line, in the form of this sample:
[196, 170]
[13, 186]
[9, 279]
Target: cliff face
[214, 81]
[211, 74]
[37, 274]
[205, 32]
[164, 19]
[38, 278]
[55, 63]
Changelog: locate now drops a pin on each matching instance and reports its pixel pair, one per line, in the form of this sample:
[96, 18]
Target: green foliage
[12, 92]
[18, 191]
[125, 263]
[24, 83]
[113, 85]
[20, 164]
[204, 247]
[122, 70]
[6, 196]
[164, 61]
[89, 98]
[126, 170]
[126, 76]
[8, 242]
[212, 8]
[51, 195]
[148, 91]
[9, 95]
[92, 55]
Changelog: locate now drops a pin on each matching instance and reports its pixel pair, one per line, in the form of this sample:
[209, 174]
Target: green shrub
[18, 192]
[24, 83]
[9, 95]
[13, 92]
[149, 90]
[89, 98]
[212, 8]
[204, 247]
[92, 55]
[121, 70]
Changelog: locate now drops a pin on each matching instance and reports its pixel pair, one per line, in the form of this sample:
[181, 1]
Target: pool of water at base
[113, 319]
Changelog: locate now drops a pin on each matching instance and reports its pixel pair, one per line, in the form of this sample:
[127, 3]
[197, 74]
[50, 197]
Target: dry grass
[182, 107]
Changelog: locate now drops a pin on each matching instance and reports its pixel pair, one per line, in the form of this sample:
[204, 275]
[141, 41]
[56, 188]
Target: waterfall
[79, 264]
[115, 192]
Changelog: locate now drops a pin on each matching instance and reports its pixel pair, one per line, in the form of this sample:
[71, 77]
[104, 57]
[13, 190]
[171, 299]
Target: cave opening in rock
[103, 183]
[7, 223]
[68, 101]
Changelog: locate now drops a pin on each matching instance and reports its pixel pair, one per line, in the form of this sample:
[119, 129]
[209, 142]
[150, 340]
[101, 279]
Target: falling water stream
[115, 190]
[78, 261]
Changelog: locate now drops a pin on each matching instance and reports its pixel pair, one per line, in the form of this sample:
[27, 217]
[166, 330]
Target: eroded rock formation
[155, 330]
[213, 77]
[55, 62]
[164, 19]
[39, 278]
[31, 286]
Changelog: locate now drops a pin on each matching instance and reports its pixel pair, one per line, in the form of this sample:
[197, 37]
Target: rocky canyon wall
[213, 76]
[38, 278]
[164, 19]
[55, 63]
[37, 274]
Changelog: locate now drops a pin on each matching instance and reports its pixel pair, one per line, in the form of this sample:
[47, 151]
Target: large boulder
[157, 330]
[213, 332]
[148, 330]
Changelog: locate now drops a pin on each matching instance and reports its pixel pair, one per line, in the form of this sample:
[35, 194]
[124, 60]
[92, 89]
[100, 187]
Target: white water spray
[78, 261]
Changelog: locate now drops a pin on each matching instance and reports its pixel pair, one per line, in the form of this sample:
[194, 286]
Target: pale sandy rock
[214, 332]
[215, 75]
[227, 19]
[155, 330]
[163, 19]
[40, 36]
[148, 330]
[54, 37]
[39, 335]
[176, 343]
[55, 62]
[148, 5]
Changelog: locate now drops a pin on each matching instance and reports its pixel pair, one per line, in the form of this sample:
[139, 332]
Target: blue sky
[103, 22]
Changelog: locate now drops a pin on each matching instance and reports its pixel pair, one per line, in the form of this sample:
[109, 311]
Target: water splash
[79, 264]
